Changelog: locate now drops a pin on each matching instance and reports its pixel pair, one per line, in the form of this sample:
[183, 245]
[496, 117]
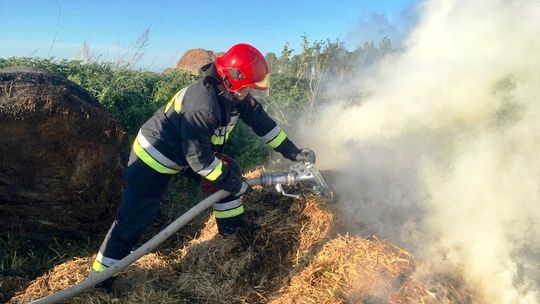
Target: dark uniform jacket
[197, 121]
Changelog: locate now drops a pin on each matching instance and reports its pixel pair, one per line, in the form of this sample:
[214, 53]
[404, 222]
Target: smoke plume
[440, 150]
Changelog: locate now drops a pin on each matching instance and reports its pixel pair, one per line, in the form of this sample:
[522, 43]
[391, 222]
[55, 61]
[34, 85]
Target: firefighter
[187, 136]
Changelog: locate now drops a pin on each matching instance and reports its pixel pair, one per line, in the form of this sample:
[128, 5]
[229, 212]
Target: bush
[288, 98]
[247, 148]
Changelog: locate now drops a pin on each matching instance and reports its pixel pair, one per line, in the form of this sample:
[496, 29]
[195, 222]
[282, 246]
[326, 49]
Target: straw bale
[61, 158]
[194, 59]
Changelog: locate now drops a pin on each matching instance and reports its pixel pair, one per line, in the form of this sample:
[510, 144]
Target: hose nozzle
[299, 173]
[308, 172]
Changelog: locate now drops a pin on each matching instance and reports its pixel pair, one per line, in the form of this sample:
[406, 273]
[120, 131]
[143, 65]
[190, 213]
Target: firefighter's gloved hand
[231, 179]
[305, 155]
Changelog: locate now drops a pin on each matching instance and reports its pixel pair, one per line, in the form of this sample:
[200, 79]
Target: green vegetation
[28, 258]
[130, 95]
[133, 95]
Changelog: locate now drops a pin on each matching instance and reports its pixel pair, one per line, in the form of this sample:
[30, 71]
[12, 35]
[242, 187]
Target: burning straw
[296, 256]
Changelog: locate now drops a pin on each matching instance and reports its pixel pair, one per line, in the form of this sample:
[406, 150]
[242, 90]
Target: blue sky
[59, 28]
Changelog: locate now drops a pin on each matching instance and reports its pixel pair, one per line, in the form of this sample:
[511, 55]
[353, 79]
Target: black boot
[106, 285]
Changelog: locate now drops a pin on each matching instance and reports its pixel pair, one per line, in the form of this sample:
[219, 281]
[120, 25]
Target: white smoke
[442, 151]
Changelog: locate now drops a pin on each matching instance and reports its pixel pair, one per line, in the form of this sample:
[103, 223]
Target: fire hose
[300, 172]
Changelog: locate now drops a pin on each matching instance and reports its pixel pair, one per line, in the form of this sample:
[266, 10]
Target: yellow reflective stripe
[217, 140]
[176, 101]
[169, 104]
[229, 131]
[274, 143]
[212, 176]
[229, 213]
[98, 267]
[221, 139]
[270, 135]
[178, 104]
[150, 161]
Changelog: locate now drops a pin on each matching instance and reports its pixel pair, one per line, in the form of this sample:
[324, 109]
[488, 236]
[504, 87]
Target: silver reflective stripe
[176, 101]
[228, 205]
[155, 153]
[221, 131]
[105, 261]
[180, 96]
[209, 168]
[272, 134]
[234, 119]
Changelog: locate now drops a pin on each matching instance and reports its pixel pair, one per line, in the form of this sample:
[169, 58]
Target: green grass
[30, 258]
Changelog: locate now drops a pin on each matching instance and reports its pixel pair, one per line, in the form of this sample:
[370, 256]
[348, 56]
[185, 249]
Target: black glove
[231, 179]
[243, 189]
[305, 155]
[107, 285]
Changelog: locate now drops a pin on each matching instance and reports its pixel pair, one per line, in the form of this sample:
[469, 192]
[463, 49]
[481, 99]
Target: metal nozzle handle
[272, 179]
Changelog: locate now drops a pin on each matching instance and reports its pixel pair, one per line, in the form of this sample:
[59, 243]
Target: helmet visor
[263, 84]
[260, 88]
[257, 93]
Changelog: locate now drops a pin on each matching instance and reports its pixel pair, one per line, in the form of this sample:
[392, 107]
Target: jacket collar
[211, 76]
[210, 73]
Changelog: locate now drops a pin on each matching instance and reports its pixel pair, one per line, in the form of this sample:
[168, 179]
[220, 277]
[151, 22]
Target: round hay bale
[193, 60]
[61, 157]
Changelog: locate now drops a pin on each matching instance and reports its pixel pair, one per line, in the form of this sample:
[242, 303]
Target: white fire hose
[300, 172]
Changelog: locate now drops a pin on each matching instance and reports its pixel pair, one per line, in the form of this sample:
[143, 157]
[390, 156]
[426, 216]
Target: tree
[273, 62]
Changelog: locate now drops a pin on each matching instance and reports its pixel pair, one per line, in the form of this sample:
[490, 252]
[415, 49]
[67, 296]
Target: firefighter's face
[242, 93]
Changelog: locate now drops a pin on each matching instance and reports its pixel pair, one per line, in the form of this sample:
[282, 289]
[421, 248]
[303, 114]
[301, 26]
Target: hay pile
[61, 157]
[355, 270]
[194, 59]
[297, 256]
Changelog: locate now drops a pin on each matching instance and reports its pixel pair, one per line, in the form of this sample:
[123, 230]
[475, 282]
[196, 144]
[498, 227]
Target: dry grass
[355, 270]
[295, 257]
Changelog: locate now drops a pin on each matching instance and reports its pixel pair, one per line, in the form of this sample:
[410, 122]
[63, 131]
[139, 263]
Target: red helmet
[243, 66]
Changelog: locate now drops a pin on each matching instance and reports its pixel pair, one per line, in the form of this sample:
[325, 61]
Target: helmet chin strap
[225, 93]
[222, 87]
[225, 83]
